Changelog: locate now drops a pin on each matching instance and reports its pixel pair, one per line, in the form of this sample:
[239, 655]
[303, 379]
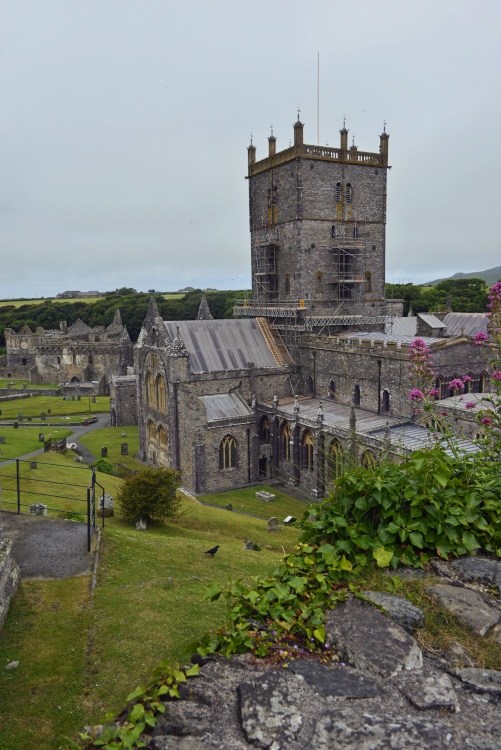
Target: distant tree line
[466, 295]
[132, 308]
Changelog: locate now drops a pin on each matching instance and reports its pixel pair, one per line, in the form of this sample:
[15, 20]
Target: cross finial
[353, 139]
[251, 140]
[384, 126]
[271, 126]
[298, 114]
[344, 122]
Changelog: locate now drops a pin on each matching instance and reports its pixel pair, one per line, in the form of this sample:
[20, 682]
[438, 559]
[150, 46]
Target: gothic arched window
[356, 396]
[152, 432]
[285, 437]
[307, 447]
[385, 406]
[332, 390]
[161, 394]
[349, 192]
[228, 452]
[335, 459]
[338, 192]
[368, 460]
[163, 439]
[264, 430]
[150, 389]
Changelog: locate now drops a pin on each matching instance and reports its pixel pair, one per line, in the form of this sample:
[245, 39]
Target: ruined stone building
[312, 372]
[75, 354]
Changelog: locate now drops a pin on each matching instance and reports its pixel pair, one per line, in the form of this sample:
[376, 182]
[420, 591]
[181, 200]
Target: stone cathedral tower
[317, 223]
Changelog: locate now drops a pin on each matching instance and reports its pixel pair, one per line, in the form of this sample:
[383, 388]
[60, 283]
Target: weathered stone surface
[429, 691]
[405, 614]
[10, 576]
[269, 714]
[365, 638]
[335, 681]
[184, 719]
[179, 743]
[487, 680]
[353, 730]
[483, 743]
[467, 606]
[478, 569]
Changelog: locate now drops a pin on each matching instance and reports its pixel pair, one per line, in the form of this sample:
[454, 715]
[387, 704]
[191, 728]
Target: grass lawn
[4, 382]
[111, 437]
[53, 406]
[57, 482]
[147, 607]
[25, 439]
[245, 500]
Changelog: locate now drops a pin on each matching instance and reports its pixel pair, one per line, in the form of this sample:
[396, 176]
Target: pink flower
[466, 378]
[456, 385]
[416, 395]
[486, 420]
[496, 375]
[434, 392]
[443, 413]
[480, 338]
[470, 405]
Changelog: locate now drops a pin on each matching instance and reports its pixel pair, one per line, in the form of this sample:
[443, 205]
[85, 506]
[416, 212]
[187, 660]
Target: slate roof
[481, 401]
[405, 327]
[472, 322]
[400, 339]
[336, 415]
[225, 406]
[215, 345]
[413, 437]
[431, 320]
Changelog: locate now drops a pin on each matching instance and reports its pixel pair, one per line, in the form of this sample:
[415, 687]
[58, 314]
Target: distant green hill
[490, 276]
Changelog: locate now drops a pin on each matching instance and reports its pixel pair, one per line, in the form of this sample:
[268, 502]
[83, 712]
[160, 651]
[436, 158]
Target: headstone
[250, 545]
[73, 398]
[78, 459]
[273, 524]
[41, 437]
[229, 506]
[28, 419]
[266, 496]
[43, 416]
[16, 425]
[106, 501]
[33, 465]
[93, 399]
[38, 509]
[2, 439]
[124, 434]
[104, 452]
[141, 524]
[290, 519]
[20, 416]
[25, 386]
[125, 449]
[79, 398]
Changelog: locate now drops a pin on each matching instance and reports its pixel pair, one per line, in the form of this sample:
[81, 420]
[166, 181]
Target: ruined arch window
[333, 230]
[307, 448]
[309, 385]
[58, 360]
[483, 382]
[285, 444]
[338, 192]
[356, 396]
[91, 359]
[228, 452]
[24, 361]
[368, 460]
[163, 440]
[287, 283]
[356, 233]
[349, 193]
[332, 390]
[385, 405]
[97, 339]
[150, 389]
[161, 394]
[152, 432]
[335, 461]
[264, 430]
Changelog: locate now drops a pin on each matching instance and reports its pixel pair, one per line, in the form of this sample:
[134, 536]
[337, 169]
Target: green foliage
[291, 603]
[467, 295]
[102, 465]
[403, 514]
[150, 494]
[147, 704]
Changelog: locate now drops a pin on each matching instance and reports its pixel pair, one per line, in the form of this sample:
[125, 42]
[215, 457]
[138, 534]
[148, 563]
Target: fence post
[18, 486]
[88, 520]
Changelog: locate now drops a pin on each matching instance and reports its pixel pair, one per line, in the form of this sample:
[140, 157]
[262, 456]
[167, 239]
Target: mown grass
[147, 607]
[111, 438]
[245, 500]
[53, 406]
[25, 439]
[57, 482]
[72, 300]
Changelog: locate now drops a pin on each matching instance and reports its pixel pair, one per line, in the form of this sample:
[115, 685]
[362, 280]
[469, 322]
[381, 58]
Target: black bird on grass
[213, 550]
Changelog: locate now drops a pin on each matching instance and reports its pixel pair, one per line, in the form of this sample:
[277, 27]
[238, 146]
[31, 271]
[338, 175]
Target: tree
[151, 494]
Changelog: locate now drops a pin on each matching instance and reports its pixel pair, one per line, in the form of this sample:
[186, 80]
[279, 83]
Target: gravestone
[28, 419]
[125, 449]
[104, 452]
[33, 465]
[38, 509]
[41, 437]
[141, 524]
[266, 496]
[2, 439]
[106, 501]
[124, 434]
[73, 398]
[79, 398]
[25, 386]
[93, 399]
[20, 416]
[43, 416]
[273, 524]
[16, 425]
[229, 506]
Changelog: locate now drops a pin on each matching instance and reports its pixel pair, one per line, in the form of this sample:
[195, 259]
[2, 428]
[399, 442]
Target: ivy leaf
[193, 671]
[417, 539]
[442, 481]
[212, 592]
[469, 541]
[319, 634]
[135, 694]
[179, 676]
[382, 556]
[345, 564]
[137, 712]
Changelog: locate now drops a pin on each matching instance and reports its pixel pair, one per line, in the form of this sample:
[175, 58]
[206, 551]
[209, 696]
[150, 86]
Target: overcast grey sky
[125, 124]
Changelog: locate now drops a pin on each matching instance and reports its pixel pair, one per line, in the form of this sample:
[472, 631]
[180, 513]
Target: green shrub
[151, 494]
[104, 466]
